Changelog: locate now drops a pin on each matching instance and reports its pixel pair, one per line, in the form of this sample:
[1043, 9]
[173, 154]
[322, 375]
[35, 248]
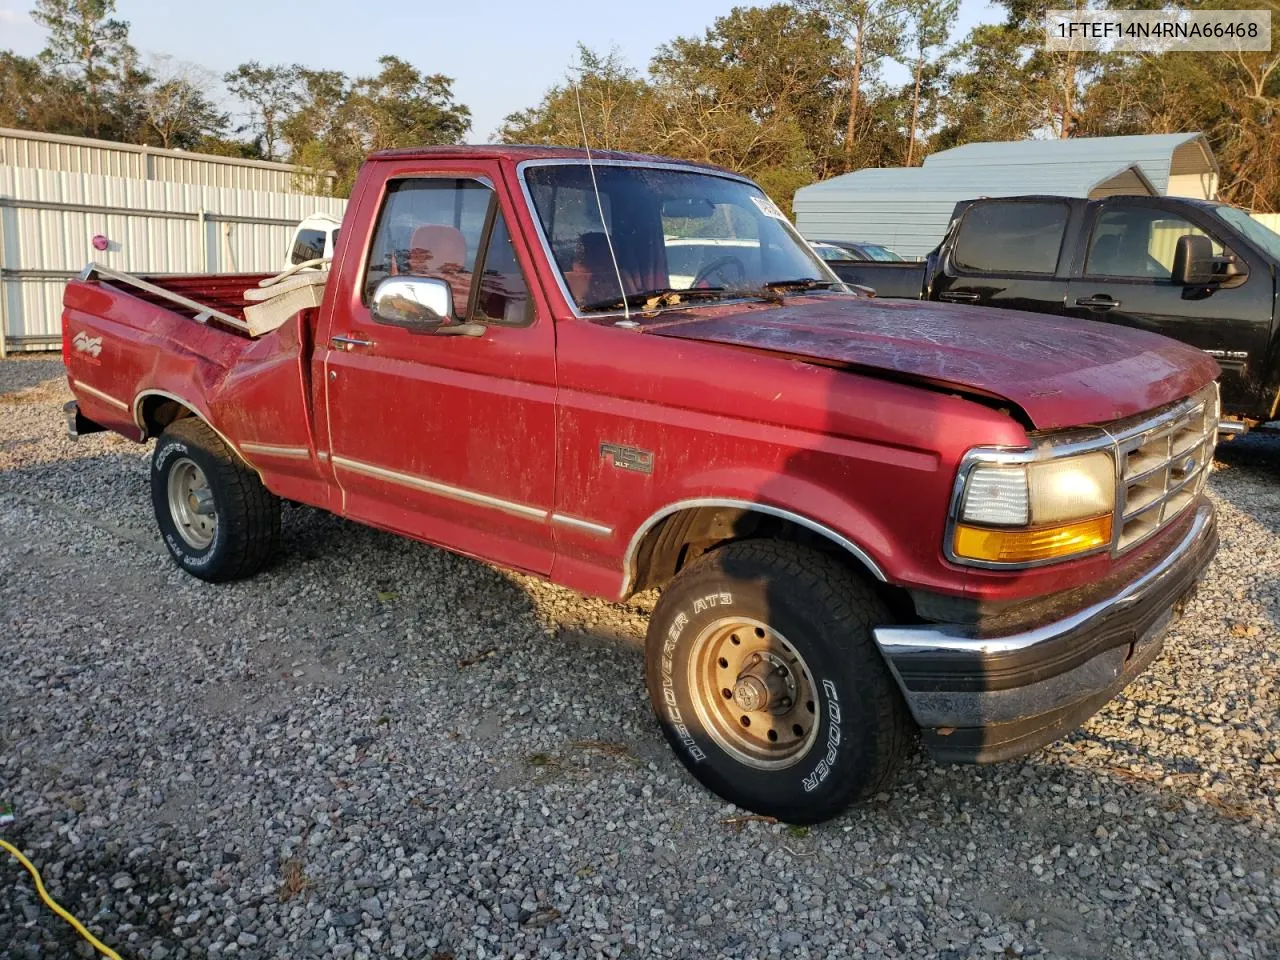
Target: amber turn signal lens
[1029, 546]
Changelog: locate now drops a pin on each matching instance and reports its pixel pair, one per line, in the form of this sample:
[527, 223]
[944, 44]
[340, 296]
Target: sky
[502, 56]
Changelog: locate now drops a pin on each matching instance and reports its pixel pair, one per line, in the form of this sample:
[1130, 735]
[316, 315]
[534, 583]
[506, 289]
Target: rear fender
[191, 408]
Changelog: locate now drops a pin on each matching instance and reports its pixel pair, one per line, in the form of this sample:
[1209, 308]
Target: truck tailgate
[894, 280]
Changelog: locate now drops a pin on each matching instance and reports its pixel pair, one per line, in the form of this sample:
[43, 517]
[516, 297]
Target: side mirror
[419, 304]
[1194, 264]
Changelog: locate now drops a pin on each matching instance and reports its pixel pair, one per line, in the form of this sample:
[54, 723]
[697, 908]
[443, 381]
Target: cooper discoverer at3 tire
[767, 683]
[216, 518]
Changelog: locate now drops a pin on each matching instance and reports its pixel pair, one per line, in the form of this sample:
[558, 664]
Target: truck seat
[592, 276]
[437, 250]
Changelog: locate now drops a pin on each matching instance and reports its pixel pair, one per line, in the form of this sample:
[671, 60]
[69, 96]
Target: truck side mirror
[1194, 263]
[421, 305]
[417, 303]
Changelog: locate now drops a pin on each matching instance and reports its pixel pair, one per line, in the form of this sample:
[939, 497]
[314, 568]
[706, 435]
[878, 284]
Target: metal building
[148, 211]
[908, 208]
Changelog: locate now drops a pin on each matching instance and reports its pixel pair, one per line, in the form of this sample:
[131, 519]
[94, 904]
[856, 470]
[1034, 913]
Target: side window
[1007, 237]
[430, 228]
[1137, 243]
[307, 245]
[504, 295]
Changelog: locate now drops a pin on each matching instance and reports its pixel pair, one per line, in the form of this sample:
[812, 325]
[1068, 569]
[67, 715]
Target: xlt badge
[627, 458]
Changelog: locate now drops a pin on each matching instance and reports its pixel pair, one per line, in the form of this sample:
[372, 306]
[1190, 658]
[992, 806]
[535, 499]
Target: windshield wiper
[665, 296]
[800, 283]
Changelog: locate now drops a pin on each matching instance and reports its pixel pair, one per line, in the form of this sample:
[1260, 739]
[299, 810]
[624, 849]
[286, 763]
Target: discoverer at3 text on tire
[766, 680]
[216, 518]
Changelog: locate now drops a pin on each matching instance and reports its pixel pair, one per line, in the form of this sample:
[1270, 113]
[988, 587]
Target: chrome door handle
[348, 343]
[1098, 303]
[959, 296]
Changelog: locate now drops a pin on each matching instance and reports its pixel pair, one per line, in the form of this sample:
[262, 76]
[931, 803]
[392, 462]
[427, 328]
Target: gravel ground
[380, 749]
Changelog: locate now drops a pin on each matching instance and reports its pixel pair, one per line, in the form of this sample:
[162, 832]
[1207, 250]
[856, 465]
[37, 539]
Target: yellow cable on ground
[54, 905]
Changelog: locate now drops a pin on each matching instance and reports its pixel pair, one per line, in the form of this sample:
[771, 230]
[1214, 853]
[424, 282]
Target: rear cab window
[1011, 237]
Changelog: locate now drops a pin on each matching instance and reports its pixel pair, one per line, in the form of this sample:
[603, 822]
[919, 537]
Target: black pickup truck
[1198, 271]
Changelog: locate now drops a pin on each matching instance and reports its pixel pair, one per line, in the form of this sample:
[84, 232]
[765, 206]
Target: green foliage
[272, 92]
[89, 46]
[336, 121]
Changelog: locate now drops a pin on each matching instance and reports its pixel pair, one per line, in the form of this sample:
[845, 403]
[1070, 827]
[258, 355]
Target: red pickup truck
[868, 519]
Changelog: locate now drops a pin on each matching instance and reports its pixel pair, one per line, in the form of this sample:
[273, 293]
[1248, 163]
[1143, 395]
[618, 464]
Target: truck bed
[899, 281]
[222, 292]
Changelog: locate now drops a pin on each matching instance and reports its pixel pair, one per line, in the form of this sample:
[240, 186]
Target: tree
[1232, 97]
[337, 121]
[758, 92]
[616, 107]
[929, 25]
[873, 29]
[88, 44]
[176, 107]
[33, 97]
[401, 106]
[1007, 86]
[272, 93]
[777, 67]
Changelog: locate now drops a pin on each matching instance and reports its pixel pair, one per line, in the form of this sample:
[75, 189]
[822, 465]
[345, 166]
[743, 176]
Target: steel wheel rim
[191, 504]
[735, 662]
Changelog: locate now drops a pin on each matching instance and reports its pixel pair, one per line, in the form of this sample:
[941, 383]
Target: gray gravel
[379, 749]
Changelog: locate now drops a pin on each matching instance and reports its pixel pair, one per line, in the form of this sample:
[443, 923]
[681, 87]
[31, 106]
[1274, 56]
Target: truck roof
[1190, 201]
[519, 152]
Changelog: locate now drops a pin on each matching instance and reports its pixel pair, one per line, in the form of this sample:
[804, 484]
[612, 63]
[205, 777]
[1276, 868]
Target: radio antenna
[595, 186]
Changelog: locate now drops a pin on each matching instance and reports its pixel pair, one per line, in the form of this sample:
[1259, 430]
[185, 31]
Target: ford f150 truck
[1202, 272]
[867, 519]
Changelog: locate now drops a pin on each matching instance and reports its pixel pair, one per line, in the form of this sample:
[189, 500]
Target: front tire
[767, 682]
[215, 516]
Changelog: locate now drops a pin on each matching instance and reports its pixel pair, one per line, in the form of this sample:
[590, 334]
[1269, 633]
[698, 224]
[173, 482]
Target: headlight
[1035, 512]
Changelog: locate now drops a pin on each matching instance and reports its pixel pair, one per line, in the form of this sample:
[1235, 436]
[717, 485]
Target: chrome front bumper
[982, 697]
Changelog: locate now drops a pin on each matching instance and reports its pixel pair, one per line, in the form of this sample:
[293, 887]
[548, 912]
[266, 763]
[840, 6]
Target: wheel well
[157, 412]
[685, 535]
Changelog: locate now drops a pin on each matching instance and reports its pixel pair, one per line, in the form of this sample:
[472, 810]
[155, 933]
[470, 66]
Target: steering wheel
[716, 266]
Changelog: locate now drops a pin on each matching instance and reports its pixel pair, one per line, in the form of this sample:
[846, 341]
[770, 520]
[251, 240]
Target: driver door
[1127, 279]
[449, 439]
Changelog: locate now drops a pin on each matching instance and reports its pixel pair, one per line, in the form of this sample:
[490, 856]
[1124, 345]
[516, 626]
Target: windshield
[1261, 236]
[671, 231]
[832, 254]
[876, 252]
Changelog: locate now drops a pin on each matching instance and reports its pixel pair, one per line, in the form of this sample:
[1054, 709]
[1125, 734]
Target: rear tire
[215, 516]
[766, 680]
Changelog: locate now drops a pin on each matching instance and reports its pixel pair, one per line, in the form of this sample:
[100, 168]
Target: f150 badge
[90, 346]
[627, 458]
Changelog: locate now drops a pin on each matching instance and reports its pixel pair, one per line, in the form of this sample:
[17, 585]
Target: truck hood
[1060, 371]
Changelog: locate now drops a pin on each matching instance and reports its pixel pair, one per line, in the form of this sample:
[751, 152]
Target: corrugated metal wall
[45, 151]
[48, 221]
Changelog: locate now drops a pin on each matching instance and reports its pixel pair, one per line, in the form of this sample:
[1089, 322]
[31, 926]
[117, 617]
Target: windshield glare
[670, 230]
[883, 254]
[1261, 235]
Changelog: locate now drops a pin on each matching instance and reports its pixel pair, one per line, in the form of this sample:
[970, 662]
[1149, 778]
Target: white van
[313, 239]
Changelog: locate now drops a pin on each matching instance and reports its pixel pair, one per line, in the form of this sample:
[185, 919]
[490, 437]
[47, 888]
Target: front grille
[1163, 464]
